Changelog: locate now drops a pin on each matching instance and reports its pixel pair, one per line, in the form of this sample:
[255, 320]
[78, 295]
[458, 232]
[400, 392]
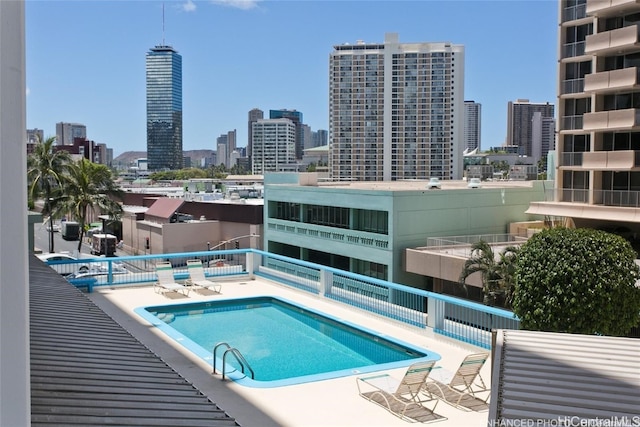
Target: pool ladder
[235, 352]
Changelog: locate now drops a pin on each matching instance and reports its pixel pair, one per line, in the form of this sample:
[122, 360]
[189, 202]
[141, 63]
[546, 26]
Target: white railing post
[254, 261]
[435, 313]
[326, 281]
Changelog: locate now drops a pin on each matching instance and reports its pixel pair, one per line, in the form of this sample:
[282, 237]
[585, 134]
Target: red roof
[164, 207]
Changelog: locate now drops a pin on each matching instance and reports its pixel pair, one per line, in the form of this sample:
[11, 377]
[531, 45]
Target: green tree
[45, 170]
[190, 173]
[577, 281]
[89, 186]
[497, 272]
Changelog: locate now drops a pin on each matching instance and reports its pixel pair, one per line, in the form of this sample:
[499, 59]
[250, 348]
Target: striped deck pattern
[87, 370]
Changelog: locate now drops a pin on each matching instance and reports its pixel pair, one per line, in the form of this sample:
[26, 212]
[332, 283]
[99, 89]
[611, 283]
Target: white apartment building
[396, 110]
[273, 145]
[472, 125]
[598, 148]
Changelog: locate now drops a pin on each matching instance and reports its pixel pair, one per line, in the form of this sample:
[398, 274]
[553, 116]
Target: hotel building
[396, 110]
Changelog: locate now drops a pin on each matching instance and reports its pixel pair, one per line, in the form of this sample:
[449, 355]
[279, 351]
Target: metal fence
[453, 317]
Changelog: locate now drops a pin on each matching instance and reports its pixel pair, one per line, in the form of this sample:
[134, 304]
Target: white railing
[453, 317]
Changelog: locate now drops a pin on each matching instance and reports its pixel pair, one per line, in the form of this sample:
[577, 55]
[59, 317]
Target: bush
[577, 281]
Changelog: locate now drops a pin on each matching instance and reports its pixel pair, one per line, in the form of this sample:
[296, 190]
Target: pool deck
[333, 402]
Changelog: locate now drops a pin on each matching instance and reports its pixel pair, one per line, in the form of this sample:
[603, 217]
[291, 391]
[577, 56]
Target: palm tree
[89, 186]
[497, 273]
[45, 170]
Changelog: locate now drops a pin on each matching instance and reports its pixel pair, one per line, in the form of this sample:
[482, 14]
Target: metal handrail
[239, 357]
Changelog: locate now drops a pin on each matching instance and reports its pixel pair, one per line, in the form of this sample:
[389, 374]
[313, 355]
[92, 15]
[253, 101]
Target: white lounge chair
[197, 277]
[166, 282]
[401, 397]
[461, 388]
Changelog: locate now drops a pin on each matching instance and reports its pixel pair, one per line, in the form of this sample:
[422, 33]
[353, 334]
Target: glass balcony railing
[572, 86]
[572, 122]
[621, 198]
[572, 13]
[570, 50]
[572, 159]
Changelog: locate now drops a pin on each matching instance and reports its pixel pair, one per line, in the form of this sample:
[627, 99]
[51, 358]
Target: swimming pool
[283, 343]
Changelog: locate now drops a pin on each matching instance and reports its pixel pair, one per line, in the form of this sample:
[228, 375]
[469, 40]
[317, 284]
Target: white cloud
[238, 4]
[189, 6]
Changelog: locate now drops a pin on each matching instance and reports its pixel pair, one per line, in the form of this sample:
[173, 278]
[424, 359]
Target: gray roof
[87, 370]
[570, 377]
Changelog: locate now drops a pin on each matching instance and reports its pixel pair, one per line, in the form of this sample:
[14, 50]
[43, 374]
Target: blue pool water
[283, 343]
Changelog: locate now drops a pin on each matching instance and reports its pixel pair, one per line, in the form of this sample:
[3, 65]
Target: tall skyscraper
[598, 180]
[66, 133]
[472, 124]
[396, 110]
[519, 123]
[274, 145]
[164, 108]
[254, 115]
[296, 118]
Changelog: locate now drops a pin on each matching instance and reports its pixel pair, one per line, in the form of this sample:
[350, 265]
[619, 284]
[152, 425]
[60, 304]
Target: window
[371, 221]
[284, 210]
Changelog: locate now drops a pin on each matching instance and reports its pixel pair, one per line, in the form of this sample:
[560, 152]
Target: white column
[15, 393]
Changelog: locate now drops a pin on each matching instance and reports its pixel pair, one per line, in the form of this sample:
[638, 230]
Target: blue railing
[449, 316]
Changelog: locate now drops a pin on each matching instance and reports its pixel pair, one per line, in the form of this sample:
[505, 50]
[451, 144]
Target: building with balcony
[396, 110]
[523, 128]
[598, 146]
[365, 227]
[273, 146]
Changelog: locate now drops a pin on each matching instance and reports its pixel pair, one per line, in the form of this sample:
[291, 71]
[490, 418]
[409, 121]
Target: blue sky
[86, 59]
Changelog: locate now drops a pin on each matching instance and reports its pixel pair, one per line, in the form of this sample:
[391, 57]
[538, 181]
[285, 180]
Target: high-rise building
[296, 118]
[254, 115]
[225, 145]
[164, 108]
[274, 145]
[319, 138]
[34, 136]
[543, 132]
[66, 133]
[396, 110]
[519, 123]
[472, 125]
[598, 176]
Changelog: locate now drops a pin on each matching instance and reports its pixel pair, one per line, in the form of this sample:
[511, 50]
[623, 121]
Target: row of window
[372, 221]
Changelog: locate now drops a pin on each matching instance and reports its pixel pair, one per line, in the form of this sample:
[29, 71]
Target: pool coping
[241, 378]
